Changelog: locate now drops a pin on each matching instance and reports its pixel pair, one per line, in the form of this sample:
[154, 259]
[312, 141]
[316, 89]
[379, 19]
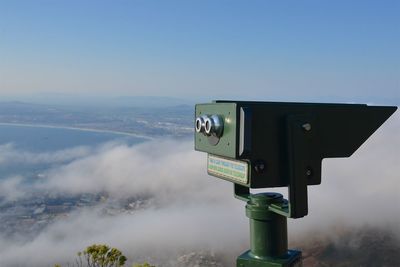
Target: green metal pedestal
[268, 235]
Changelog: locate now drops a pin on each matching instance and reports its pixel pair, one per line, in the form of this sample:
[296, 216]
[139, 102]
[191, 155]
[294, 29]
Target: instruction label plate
[232, 170]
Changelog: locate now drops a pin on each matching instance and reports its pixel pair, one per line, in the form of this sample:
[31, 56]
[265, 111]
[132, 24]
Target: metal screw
[309, 172]
[259, 166]
[306, 126]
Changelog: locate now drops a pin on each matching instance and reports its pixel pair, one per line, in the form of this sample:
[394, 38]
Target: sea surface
[34, 140]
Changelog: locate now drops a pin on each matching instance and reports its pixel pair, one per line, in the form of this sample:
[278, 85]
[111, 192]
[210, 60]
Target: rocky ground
[367, 247]
[198, 260]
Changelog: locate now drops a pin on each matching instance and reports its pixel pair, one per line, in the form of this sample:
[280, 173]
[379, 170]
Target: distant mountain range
[101, 101]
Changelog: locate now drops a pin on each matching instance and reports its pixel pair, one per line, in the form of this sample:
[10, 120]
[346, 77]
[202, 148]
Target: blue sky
[262, 50]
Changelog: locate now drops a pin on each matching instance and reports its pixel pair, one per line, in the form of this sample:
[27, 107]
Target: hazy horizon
[112, 100]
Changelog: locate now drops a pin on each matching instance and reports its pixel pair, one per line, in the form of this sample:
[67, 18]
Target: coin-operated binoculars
[271, 144]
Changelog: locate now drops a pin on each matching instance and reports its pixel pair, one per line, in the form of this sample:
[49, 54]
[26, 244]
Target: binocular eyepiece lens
[199, 124]
[210, 125]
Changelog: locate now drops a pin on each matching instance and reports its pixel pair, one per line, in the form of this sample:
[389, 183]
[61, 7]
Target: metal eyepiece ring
[214, 125]
[199, 125]
[207, 126]
[211, 126]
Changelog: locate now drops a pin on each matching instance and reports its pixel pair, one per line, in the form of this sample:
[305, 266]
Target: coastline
[75, 129]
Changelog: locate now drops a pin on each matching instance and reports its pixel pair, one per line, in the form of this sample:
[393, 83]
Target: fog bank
[190, 211]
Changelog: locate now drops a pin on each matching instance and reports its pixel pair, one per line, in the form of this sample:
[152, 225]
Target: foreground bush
[99, 256]
[102, 256]
[143, 265]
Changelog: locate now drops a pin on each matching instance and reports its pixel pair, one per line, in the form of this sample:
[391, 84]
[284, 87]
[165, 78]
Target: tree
[101, 256]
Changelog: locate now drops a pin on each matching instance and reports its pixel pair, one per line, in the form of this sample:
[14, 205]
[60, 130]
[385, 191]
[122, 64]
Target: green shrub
[100, 256]
[143, 265]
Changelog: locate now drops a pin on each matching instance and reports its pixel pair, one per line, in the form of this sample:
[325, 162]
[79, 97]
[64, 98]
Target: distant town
[30, 215]
[172, 121]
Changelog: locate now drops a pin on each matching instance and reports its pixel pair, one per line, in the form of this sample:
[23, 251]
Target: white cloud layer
[9, 154]
[192, 211]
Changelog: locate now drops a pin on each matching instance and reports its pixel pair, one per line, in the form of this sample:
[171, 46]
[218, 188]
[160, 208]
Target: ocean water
[31, 141]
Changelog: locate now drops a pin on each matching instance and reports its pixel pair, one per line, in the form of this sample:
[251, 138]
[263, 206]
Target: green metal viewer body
[278, 144]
